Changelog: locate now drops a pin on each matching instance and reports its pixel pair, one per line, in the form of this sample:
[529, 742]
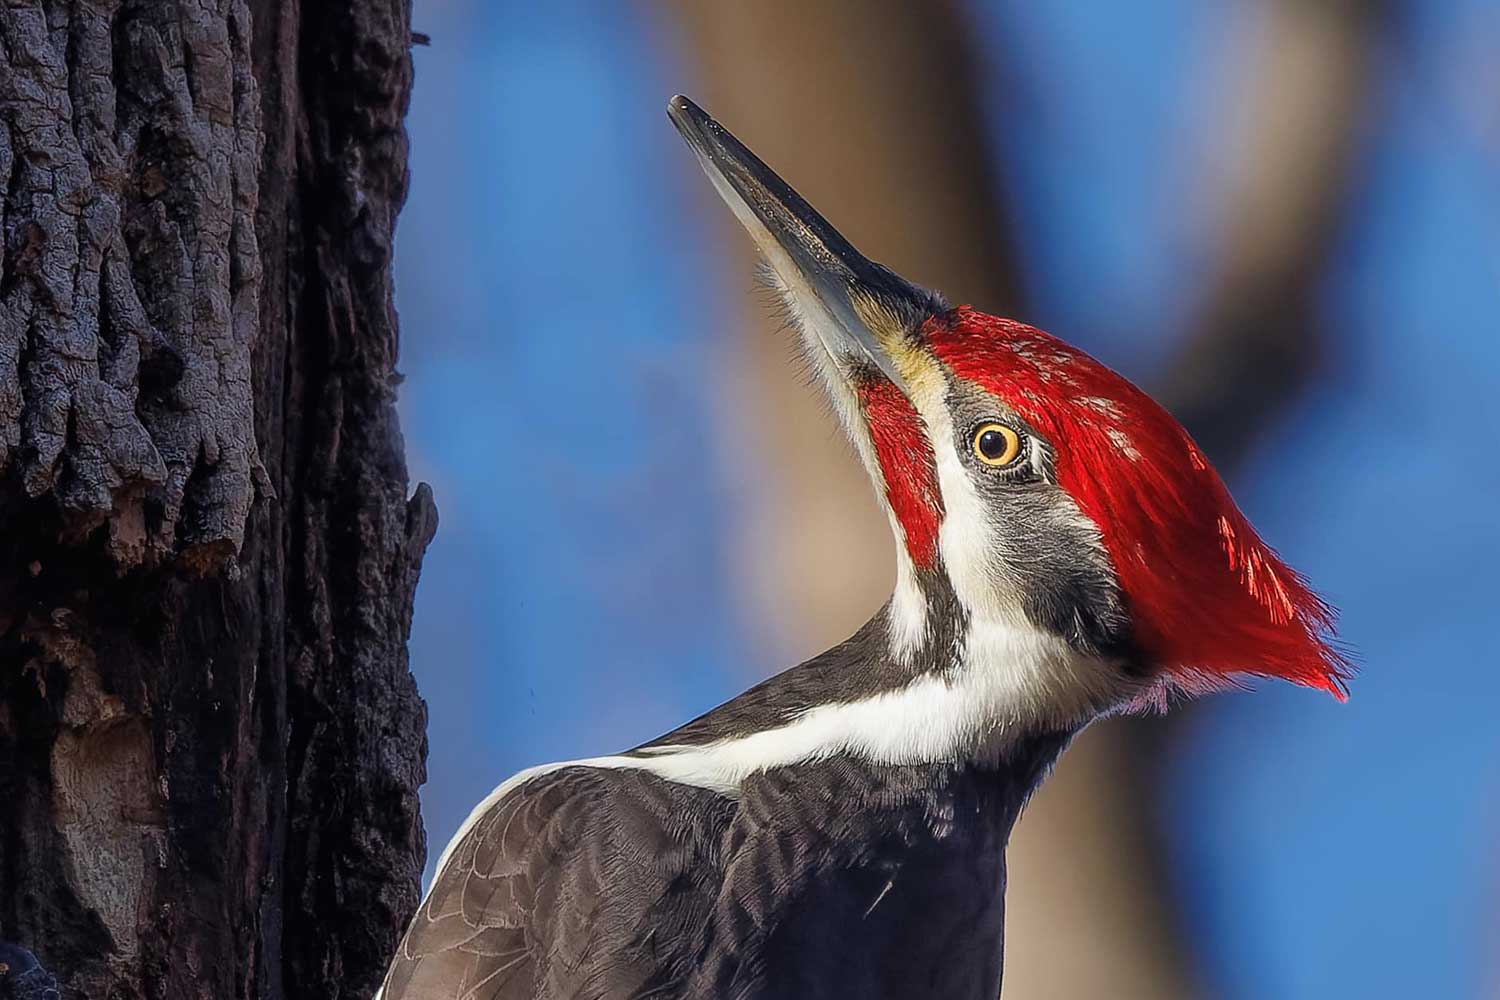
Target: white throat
[1001, 689]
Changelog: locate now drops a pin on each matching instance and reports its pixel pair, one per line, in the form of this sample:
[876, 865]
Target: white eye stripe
[1040, 457]
[971, 541]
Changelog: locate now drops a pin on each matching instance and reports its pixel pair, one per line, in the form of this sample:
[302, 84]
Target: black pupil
[992, 444]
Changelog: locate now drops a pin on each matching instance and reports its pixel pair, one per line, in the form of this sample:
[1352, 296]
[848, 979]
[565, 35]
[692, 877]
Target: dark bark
[210, 743]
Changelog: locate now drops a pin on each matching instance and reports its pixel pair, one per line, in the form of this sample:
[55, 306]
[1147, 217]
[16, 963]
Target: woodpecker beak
[859, 311]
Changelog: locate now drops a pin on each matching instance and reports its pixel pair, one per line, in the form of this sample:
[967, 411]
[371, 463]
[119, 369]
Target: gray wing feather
[484, 930]
[562, 889]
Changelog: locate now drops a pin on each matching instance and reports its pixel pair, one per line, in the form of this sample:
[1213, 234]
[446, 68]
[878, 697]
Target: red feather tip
[1208, 598]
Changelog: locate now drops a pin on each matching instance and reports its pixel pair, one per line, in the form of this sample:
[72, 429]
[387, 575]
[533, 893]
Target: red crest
[1208, 598]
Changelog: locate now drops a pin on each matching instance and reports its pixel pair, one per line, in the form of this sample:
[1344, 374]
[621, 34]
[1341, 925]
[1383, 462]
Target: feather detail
[1208, 598]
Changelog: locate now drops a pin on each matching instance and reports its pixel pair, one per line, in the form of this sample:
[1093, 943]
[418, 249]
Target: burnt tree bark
[210, 743]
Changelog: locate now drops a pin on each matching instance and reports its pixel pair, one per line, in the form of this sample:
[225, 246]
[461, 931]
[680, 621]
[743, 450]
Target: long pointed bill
[857, 309]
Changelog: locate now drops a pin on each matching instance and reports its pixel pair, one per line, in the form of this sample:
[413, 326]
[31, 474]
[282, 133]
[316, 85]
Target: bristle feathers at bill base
[1208, 598]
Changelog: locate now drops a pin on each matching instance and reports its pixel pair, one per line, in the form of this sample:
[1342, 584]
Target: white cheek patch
[966, 538]
[1044, 679]
[969, 539]
[908, 623]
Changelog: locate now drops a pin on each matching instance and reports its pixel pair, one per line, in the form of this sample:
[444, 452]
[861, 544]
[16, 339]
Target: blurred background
[1281, 217]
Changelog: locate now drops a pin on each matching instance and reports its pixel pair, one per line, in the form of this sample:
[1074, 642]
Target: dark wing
[852, 879]
[560, 890]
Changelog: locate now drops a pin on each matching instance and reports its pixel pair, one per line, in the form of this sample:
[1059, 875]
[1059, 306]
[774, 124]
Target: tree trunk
[210, 744]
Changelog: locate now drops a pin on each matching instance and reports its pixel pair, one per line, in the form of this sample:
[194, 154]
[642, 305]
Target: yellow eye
[996, 444]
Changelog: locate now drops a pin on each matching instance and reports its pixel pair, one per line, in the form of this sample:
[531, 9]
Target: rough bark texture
[210, 744]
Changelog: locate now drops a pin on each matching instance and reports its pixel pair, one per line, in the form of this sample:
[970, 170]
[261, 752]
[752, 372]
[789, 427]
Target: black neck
[862, 666]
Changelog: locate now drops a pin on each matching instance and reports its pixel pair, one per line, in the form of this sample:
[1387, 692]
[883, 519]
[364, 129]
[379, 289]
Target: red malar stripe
[906, 464]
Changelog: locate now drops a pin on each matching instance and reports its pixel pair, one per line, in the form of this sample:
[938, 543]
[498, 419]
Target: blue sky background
[558, 290]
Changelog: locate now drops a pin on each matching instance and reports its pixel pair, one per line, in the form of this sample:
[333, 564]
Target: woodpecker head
[1039, 499]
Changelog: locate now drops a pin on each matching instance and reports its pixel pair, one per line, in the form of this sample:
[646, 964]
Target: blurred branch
[875, 111]
[1256, 342]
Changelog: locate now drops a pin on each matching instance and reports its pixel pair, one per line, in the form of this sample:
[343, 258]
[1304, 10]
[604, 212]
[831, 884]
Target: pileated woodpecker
[1065, 552]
